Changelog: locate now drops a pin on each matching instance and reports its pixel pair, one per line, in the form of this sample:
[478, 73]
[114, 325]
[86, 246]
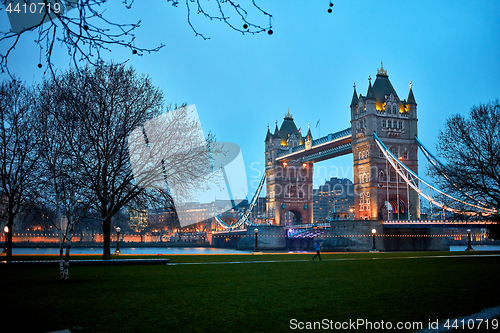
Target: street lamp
[117, 251]
[469, 247]
[374, 231]
[6, 231]
[256, 236]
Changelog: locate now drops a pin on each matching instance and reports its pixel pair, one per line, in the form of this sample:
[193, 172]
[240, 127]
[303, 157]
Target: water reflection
[189, 250]
[130, 250]
[475, 247]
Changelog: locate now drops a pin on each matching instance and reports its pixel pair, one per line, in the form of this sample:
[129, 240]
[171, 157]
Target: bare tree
[84, 28]
[19, 142]
[62, 177]
[102, 107]
[471, 147]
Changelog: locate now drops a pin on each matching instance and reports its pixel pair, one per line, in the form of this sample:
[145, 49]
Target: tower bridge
[379, 192]
[382, 139]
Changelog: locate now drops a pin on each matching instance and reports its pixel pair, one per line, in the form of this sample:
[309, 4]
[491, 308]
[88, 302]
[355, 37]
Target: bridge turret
[273, 145]
[276, 131]
[370, 98]
[354, 103]
[412, 105]
[268, 135]
[309, 137]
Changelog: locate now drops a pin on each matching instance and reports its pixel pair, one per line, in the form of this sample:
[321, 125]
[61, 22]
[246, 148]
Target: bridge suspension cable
[444, 171]
[244, 217]
[413, 180]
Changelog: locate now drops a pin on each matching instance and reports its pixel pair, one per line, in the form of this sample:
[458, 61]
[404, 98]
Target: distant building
[195, 214]
[334, 201]
[259, 211]
[138, 219]
[162, 219]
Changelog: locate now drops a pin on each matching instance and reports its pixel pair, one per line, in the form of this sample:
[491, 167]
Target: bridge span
[324, 148]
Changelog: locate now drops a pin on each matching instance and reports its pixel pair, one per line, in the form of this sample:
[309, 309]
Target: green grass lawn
[248, 297]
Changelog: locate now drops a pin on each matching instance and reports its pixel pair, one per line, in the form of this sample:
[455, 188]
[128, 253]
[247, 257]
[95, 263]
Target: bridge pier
[357, 236]
[270, 238]
[343, 236]
[300, 244]
[353, 236]
[226, 239]
[415, 239]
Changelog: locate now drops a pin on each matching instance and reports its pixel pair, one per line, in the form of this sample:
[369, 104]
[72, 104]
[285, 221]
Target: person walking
[317, 248]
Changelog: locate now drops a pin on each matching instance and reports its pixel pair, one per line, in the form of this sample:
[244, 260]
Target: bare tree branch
[471, 146]
[83, 27]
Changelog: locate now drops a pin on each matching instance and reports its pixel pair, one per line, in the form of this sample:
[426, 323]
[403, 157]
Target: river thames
[186, 250]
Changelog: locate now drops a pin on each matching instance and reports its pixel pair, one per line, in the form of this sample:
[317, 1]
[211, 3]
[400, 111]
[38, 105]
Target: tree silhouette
[19, 143]
[97, 111]
[471, 147]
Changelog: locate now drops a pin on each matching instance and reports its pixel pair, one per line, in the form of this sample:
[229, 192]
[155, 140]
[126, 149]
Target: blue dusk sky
[450, 51]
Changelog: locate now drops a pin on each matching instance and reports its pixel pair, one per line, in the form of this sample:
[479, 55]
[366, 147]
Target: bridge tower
[288, 184]
[395, 122]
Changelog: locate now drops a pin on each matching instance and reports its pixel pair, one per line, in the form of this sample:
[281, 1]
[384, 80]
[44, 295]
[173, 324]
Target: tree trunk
[61, 257]
[10, 224]
[66, 259]
[106, 230]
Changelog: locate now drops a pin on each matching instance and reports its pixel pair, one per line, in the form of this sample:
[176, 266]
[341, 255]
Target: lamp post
[117, 251]
[469, 247]
[6, 231]
[374, 249]
[256, 237]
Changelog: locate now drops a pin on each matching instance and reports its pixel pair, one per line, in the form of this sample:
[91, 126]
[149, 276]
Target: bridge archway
[402, 208]
[292, 217]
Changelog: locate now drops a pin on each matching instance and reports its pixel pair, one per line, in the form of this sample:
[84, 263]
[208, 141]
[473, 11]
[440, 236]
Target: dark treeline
[65, 152]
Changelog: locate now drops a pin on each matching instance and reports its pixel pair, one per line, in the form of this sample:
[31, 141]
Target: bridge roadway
[329, 146]
[389, 224]
[231, 232]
